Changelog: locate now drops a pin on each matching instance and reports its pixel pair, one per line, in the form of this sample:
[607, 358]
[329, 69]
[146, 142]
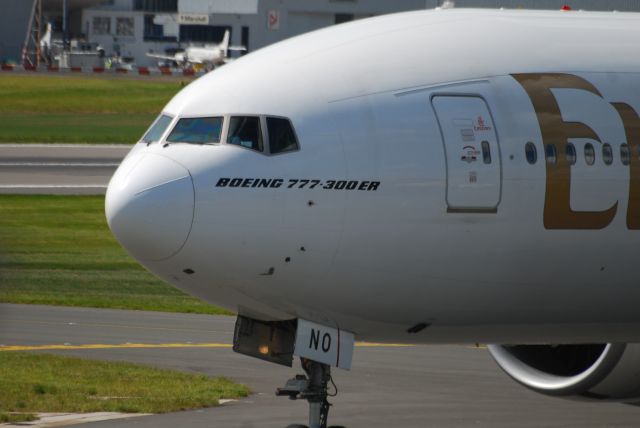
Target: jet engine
[593, 371]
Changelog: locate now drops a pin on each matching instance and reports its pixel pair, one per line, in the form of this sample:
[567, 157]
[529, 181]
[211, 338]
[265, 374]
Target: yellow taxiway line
[113, 346]
[157, 345]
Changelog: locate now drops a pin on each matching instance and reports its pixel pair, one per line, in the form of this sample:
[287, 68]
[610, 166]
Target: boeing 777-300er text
[480, 184]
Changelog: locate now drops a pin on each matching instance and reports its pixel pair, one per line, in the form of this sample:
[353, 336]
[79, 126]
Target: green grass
[73, 128]
[58, 250]
[46, 383]
[73, 109]
[17, 417]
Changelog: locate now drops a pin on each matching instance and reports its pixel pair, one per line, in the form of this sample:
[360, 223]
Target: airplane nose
[149, 206]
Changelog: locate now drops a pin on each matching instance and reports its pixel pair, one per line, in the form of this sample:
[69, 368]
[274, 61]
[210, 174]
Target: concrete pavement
[419, 386]
[58, 168]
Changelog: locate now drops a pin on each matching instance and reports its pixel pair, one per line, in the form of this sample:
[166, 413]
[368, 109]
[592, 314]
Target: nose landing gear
[314, 388]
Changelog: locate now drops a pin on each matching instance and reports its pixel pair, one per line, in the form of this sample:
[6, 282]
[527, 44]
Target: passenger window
[486, 152]
[157, 129]
[624, 154]
[245, 131]
[550, 153]
[607, 154]
[570, 153]
[281, 136]
[589, 154]
[531, 153]
[197, 130]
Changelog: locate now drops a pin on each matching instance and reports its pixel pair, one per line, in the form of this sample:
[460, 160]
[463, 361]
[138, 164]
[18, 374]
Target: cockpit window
[197, 130]
[157, 129]
[245, 131]
[281, 136]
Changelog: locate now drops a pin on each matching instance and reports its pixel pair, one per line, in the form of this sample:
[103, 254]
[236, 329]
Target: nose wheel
[312, 387]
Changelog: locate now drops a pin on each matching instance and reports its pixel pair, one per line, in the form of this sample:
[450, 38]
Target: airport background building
[132, 28]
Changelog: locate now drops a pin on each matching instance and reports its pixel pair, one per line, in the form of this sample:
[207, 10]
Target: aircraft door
[472, 153]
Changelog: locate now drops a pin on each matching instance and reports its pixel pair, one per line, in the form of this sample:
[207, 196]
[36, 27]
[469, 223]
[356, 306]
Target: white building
[132, 28]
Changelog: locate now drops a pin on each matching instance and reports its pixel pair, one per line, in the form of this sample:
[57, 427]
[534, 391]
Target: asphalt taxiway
[393, 386]
[58, 168]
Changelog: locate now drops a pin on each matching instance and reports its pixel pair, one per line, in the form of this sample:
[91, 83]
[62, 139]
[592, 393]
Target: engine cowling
[593, 371]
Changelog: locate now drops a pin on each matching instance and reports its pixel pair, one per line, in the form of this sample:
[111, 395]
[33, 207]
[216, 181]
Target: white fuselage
[202, 55]
[475, 251]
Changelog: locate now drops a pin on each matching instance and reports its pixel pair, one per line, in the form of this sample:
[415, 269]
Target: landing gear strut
[314, 388]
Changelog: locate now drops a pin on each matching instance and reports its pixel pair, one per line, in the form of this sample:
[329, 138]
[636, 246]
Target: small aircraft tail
[225, 48]
[224, 45]
[45, 41]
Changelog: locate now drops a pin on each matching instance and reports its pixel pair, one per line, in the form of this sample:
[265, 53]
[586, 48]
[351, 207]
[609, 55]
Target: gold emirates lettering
[557, 205]
[631, 123]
